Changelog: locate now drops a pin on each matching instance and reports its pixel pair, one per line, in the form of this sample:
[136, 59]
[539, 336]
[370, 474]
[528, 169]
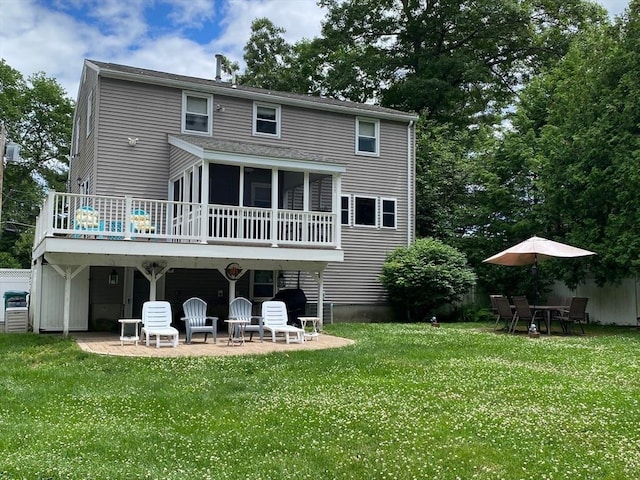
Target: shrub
[425, 276]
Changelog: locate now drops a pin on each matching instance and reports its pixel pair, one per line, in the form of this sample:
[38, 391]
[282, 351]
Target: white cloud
[300, 19]
[192, 13]
[42, 35]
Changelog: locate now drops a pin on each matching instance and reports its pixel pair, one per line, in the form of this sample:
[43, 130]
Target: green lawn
[404, 402]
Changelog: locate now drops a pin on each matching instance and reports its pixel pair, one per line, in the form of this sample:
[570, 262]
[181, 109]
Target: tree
[451, 60]
[567, 169]
[425, 276]
[38, 117]
[274, 64]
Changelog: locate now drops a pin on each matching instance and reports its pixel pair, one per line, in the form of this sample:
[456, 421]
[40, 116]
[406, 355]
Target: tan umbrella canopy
[534, 249]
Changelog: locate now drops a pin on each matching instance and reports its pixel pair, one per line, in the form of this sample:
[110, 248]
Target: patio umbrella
[534, 249]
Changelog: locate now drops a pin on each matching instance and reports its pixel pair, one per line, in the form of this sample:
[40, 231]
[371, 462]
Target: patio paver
[104, 343]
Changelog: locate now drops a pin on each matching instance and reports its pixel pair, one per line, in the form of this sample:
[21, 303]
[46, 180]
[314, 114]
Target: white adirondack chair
[156, 320]
[274, 319]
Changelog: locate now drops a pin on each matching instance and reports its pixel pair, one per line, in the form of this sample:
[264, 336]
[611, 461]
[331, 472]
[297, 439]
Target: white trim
[395, 213]
[277, 121]
[349, 209]
[89, 125]
[411, 174]
[254, 161]
[375, 211]
[209, 99]
[274, 287]
[76, 136]
[376, 126]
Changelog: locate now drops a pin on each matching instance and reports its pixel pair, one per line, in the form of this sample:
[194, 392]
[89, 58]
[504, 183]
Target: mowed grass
[407, 401]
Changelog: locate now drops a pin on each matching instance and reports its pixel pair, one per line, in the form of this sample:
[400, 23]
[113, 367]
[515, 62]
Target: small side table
[236, 331]
[313, 321]
[124, 337]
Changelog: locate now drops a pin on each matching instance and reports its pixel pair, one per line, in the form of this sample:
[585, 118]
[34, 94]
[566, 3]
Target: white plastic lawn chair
[156, 321]
[274, 320]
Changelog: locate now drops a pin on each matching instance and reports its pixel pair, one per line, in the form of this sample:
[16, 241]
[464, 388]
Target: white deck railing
[128, 218]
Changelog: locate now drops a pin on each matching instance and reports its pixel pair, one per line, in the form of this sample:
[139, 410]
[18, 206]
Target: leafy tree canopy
[38, 116]
[567, 169]
[451, 60]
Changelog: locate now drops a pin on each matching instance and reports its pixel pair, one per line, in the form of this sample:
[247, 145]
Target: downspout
[411, 198]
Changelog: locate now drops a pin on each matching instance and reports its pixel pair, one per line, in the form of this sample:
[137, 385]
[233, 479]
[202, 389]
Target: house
[182, 186]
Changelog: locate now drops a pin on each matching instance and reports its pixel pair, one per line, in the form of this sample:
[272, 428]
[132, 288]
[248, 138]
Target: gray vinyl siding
[180, 161]
[356, 281]
[82, 164]
[235, 122]
[148, 113]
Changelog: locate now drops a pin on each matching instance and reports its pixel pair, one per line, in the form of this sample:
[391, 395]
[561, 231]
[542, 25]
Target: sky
[177, 36]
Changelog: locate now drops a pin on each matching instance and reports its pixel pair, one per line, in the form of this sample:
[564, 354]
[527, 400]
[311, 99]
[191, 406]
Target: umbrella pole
[534, 272]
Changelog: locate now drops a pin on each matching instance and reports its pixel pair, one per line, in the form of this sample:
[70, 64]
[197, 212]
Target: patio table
[548, 310]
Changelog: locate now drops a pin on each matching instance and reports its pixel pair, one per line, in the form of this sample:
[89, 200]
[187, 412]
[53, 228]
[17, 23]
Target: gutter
[411, 194]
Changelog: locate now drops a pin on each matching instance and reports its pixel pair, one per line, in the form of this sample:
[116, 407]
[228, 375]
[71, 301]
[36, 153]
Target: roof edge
[260, 96]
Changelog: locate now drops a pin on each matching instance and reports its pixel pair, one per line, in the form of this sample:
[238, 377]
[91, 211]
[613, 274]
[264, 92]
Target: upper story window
[197, 113]
[76, 137]
[367, 136]
[89, 113]
[266, 119]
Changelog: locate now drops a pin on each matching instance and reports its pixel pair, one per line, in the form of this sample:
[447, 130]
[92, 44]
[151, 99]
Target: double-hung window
[266, 119]
[197, 113]
[345, 209]
[262, 284]
[388, 212]
[367, 137]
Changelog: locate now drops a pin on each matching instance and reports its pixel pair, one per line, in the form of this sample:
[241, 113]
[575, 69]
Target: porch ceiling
[87, 252]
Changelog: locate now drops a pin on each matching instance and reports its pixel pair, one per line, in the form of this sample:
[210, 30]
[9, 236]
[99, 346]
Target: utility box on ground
[16, 316]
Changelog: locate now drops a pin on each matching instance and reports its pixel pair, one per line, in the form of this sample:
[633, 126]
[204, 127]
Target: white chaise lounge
[274, 320]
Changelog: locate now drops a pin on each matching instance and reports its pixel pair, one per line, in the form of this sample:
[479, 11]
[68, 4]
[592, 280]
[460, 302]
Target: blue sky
[178, 36]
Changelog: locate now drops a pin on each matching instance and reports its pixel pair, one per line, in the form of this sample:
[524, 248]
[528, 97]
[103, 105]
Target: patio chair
[196, 320]
[524, 313]
[274, 319]
[141, 222]
[87, 220]
[241, 309]
[156, 321]
[576, 313]
[503, 311]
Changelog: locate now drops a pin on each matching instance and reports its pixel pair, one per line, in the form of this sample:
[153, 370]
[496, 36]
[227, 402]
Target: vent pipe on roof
[218, 67]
